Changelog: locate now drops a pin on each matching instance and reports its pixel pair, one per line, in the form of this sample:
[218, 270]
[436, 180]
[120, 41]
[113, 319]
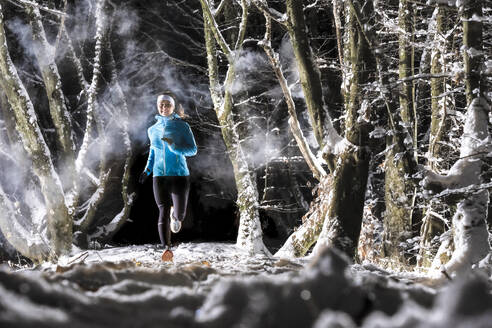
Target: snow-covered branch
[302, 143]
[270, 12]
[46, 59]
[463, 192]
[212, 23]
[92, 91]
[470, 234]
[38, 6]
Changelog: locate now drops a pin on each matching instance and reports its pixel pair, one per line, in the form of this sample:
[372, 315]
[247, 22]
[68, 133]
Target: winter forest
[341, 180]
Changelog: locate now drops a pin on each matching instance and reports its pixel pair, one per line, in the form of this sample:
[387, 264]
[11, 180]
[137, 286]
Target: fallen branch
[465, 190]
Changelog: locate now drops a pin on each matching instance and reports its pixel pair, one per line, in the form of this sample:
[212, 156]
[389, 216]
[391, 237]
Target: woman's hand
[143, 177]
[168, 140]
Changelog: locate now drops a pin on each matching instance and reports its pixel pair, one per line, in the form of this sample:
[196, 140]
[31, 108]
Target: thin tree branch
[22, 3]
[219, 8]
[270, 12]
[242, 27]
[311, 160]
[464, 190]
[215, 29]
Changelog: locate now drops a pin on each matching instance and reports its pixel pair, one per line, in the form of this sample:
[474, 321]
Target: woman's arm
[150, 161]
[184, 144]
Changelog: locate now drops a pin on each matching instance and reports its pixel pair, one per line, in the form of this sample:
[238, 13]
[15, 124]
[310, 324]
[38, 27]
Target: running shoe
[175, 223]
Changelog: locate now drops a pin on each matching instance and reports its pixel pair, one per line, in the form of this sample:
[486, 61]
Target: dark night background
[212, 214]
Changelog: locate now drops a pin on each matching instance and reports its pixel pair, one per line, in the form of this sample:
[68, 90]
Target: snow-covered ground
[216, 285]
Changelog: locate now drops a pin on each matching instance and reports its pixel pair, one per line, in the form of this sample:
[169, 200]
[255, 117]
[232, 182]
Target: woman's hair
[178, 108]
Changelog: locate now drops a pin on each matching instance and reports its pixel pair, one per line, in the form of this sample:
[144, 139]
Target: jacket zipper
[164, 148]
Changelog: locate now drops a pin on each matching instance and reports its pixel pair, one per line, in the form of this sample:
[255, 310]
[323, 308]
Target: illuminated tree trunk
[45, 54]
[59, 222]
[431, 225]
[61, 198]
[469, 227]
[334, 217]
[250, 235]
[309, 74]
[399, 191]
[342, 225]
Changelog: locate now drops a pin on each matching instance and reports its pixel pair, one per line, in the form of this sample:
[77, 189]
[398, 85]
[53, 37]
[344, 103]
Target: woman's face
[166, 108]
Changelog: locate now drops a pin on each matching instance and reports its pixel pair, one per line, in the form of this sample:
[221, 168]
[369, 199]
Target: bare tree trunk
[399, 191]
[303, 238]
[307, 234]
[433, 226]
[325, 206]
[250, 235]
[341, 227]
[91, 96]
[438, 103]
[308, 70]
[75, 61]
[473, 50]
[313, 163]
[470, 233]
[60, 204]
[59, 223]
[405, 67]
[352, 158]
[400, 139]
[27, 242]
[109, 230]
[94, 125]
[45, 54]
[12, 136]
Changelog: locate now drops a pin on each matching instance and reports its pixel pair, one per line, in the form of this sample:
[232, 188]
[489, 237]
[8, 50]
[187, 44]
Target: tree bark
[405, 67]
[109, 230]
[250, 235]
[473, 49]
[308, 70]
[305, 236]
[91, 96]
[438, 103]
[316, 168]
[343, 222]
[469, 228]
[59, 223]
[335, 216]
[27, 242]
[431, 225]
[399, 191]
[11, 134]
[45, 54]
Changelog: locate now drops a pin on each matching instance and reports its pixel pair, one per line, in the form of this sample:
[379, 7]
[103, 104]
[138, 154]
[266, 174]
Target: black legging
[170, 191]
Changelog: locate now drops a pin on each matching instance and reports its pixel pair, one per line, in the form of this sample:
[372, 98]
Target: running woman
[171, 141]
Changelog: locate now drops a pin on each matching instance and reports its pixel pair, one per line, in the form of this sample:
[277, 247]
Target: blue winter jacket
[169, 159]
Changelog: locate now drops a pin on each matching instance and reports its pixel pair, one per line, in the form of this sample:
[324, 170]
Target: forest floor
[217, 285]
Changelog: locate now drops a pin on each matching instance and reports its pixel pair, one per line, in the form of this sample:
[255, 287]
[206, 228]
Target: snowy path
[215, 285]
[223, 258]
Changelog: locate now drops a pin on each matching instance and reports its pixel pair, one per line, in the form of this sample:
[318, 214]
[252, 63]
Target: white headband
[165, 97]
